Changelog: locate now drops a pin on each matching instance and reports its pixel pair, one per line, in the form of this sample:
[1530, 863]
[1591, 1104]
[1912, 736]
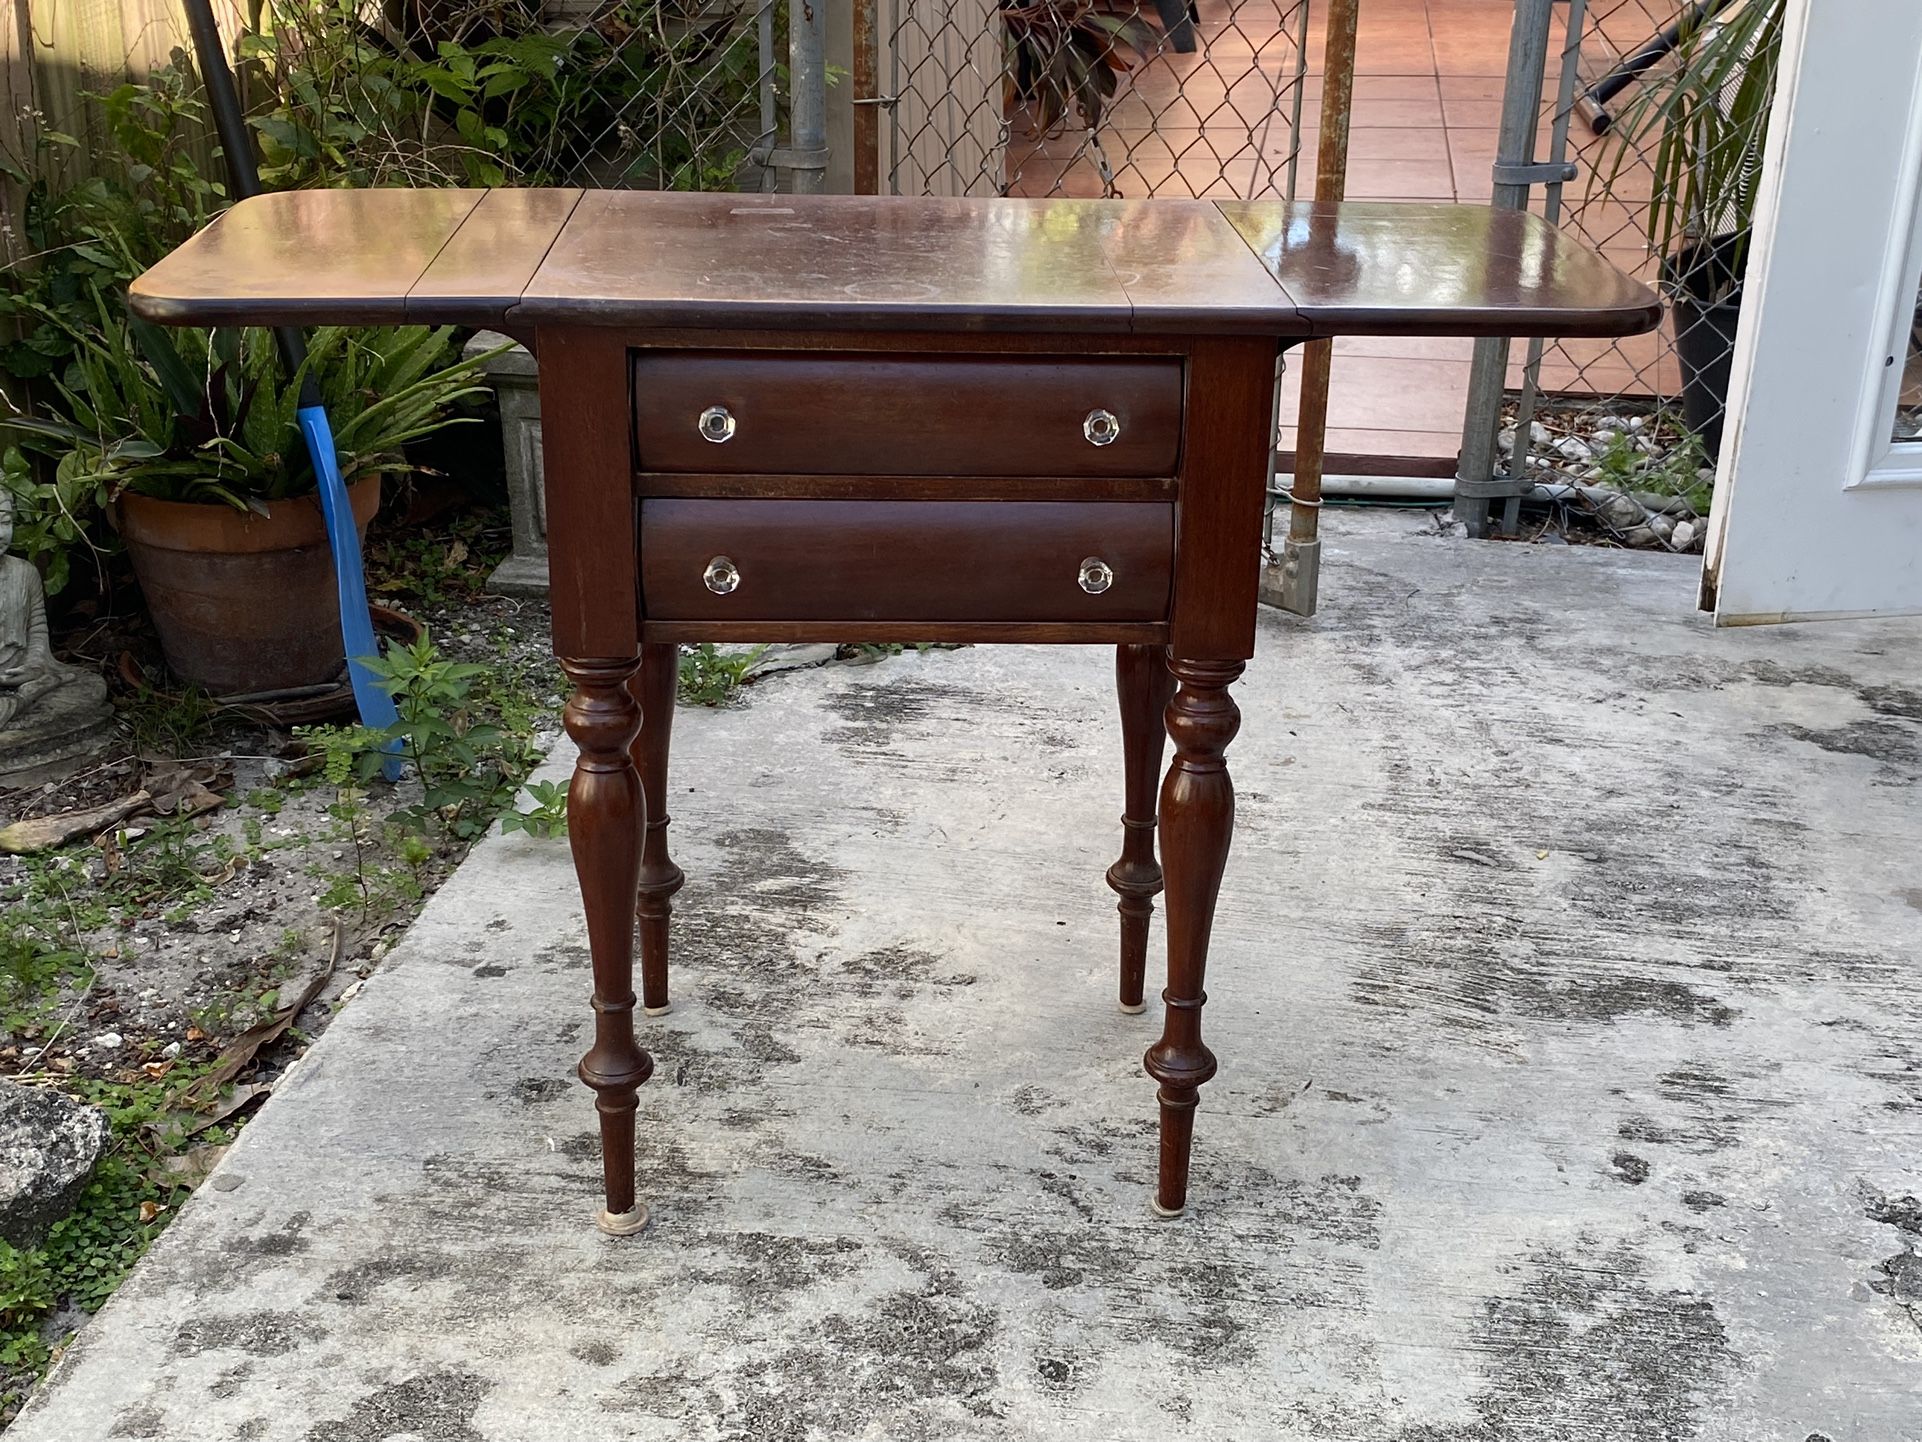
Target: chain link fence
[1658, 108]
[1097, 98]
[977, 97]
[651, 94]
[680, 94]
[1069, 98]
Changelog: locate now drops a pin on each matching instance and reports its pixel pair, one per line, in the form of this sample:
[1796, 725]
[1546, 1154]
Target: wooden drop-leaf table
[847, 418]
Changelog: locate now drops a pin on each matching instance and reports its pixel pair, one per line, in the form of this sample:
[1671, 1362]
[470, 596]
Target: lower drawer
[767, 560]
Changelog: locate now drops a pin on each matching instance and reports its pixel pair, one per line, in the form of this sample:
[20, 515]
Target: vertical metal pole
[770, 137]
[1301, 84]
[867, 136]
[237, 148]
[806, 156]
[1551, 212]
[894, 89]
[1263, 165]
[1475, 479]
[1300, 561]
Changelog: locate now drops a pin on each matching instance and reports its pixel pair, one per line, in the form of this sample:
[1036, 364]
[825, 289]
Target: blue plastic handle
[356, 627]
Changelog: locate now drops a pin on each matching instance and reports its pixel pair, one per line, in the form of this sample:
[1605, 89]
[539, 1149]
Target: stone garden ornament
[52, 716]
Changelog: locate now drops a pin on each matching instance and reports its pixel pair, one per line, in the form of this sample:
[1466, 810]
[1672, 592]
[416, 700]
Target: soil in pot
[242, 602]
[1704, 286]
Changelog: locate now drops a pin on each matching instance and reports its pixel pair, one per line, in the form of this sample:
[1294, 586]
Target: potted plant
[1700, 124]
[186, 439]
[189, 441]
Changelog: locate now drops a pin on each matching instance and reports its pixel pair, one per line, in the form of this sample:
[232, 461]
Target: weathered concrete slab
[1566, 995]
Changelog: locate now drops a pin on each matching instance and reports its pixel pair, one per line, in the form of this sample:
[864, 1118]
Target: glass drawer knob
[1095, 576]
[717, 424]
[1101, 428]
[721, 576]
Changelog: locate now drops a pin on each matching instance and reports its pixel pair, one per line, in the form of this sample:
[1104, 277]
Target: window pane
[1908, 403]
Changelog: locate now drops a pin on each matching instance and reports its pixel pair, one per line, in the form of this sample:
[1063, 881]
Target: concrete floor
[1565, 990]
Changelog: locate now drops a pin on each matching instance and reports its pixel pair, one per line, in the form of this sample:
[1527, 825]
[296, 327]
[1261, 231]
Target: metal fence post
[1476, 483]
[1298, 586]
[804, 160]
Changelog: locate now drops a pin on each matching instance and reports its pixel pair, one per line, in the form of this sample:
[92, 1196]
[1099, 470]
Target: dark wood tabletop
[516, 258]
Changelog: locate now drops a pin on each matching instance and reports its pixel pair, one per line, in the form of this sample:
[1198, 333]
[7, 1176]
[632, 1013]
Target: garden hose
[376, 707]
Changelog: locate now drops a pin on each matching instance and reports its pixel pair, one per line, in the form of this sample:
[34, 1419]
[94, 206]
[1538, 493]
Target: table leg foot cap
[1163, 1212]
[658, 1010]
[1134, 1008]
[624, 1224]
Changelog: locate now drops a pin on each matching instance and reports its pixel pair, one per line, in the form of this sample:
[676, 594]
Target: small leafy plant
[27, 1294]
[548, 816]
[467, 744]
[709, 675]
[468, 766]
[1673, 470]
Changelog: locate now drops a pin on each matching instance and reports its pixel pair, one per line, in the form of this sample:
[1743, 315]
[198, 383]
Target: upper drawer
[869, 413]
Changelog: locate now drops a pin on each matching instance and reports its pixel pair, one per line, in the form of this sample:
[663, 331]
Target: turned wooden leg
[606, 816]
[1144, 685]
[654, 690]
[1197, 823]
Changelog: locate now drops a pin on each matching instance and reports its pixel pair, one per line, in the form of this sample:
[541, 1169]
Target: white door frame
[1818, 515]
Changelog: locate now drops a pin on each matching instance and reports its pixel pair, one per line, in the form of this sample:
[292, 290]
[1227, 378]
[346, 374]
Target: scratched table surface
[522, 258]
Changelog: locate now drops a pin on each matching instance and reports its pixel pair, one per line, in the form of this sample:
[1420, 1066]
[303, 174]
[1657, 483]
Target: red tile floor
[1428, 93]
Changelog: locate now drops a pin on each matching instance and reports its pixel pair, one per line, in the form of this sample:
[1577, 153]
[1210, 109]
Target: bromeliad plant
[210, 415]
[113, 404]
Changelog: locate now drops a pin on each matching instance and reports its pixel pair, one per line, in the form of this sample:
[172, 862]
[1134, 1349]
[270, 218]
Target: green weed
[547, 818]
[87, 1253]
[1675, 471]
[161, 723]
[709, 675]
[467, 730]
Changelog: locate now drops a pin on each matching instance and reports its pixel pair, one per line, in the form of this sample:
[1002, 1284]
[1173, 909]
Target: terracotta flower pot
[242, 602]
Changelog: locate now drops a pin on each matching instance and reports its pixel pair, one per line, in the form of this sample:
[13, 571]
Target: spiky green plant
[1702, 120]
[1066, 53]
[210, 415]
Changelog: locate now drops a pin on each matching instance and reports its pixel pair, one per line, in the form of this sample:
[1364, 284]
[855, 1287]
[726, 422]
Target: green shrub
[649, 93]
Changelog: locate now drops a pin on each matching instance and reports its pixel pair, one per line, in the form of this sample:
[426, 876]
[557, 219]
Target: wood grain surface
[890, 263]
[906, 561]
[305, 257]
[817, 413]
[1384, 268]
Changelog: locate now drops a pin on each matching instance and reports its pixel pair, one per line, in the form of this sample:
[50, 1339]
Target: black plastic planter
[1703, 282]
[1177, 23]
